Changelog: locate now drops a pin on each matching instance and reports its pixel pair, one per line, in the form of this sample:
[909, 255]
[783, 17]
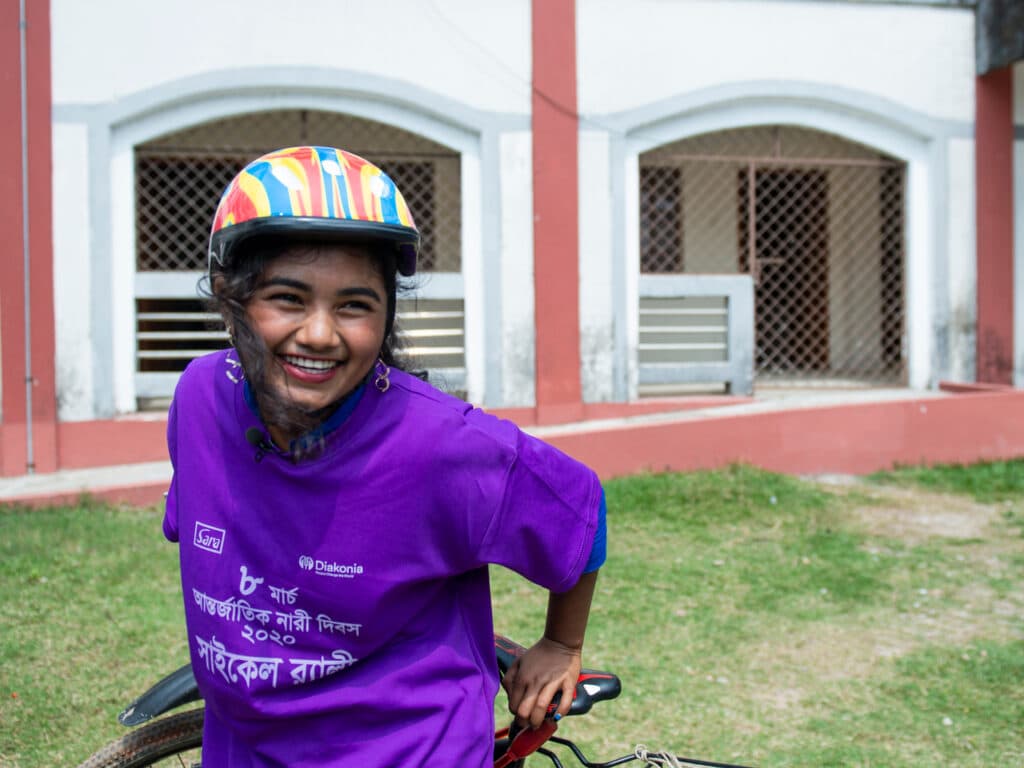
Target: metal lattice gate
[815, 220]
[179, 178]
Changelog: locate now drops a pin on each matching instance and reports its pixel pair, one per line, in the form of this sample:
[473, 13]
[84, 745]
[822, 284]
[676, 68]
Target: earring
[231, 334]
[381, 381]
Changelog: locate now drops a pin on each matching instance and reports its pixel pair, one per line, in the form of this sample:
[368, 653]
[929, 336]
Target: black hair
[229, 291]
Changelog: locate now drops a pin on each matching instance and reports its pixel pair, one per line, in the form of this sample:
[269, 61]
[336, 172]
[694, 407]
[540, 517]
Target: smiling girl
[336, 515]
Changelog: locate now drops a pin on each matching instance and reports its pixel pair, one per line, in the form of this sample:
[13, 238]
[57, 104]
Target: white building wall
[895, 77]
[475, 53]
[637, 53]
[597, 268]
[962, 284]
[72, 279]
[519, 339]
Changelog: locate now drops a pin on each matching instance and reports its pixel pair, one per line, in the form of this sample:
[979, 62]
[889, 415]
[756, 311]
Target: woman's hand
[547, 668]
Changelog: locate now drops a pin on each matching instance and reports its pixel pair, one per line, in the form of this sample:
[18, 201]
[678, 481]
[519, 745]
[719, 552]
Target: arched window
[816, 220]
[179, 178]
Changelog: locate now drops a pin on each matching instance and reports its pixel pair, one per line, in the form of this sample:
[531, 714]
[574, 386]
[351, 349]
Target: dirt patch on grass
[808, 657]
[935, 613]
[914, 515]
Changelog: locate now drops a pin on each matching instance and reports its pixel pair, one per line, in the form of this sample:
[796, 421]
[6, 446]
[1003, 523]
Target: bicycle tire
[156, 740]
[163, 738]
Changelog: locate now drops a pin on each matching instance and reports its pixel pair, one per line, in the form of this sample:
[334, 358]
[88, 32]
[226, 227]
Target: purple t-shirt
[338, 609]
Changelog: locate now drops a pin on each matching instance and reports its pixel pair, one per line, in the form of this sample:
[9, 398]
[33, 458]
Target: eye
[356, 305]
[285, 297]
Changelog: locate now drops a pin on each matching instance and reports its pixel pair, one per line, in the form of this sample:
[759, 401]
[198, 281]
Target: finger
[568, 691]
[524, 709]
[543, 701]
[515, 704]
[509, 678]
[534, 703]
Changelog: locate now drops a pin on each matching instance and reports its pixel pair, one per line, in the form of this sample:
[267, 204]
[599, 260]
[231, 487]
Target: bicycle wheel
[168, 742]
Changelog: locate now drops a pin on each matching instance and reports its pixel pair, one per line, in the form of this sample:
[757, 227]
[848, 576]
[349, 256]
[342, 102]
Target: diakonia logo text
[329, 568]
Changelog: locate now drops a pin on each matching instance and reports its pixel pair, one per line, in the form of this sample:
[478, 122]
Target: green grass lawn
[752, 617]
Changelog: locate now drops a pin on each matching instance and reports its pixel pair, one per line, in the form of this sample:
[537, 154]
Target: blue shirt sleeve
[598, 551]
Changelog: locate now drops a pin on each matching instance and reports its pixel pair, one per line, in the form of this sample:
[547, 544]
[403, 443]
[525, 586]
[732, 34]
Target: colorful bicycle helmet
[313, 193]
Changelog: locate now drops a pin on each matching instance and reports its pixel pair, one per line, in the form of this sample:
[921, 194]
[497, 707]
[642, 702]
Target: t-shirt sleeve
[544, 528]
[171, 497]
[599, 551]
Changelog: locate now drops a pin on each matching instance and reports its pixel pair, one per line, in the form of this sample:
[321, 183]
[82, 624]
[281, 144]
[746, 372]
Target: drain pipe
[30, 465]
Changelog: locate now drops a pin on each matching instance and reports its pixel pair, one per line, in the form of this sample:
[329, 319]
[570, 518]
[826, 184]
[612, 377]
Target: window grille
[785, 247]
[180, 177]
[176, 197]
[416, 180]
[661, 220]
[817, 221]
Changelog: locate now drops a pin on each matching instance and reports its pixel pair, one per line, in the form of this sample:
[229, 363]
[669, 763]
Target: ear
[217, 285]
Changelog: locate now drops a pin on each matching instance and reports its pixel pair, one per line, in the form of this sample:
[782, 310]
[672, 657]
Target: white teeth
[310, 364]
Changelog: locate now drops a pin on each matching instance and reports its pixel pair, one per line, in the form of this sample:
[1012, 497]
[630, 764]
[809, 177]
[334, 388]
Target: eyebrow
[287, 282]
[359, 290]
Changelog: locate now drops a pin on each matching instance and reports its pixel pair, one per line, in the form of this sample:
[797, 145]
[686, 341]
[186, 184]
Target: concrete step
[135, 484]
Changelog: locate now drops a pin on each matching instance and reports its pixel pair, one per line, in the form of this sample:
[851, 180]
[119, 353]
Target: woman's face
[321, 313]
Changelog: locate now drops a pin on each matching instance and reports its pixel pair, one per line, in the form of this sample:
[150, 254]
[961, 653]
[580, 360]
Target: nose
[318, 330]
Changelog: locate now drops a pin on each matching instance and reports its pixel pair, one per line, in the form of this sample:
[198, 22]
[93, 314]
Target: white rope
[656, 758]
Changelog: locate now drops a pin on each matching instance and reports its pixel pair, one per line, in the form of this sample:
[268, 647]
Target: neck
[325, 421]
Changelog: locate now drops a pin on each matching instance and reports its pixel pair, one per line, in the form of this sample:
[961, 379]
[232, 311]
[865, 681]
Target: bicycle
[177, 738]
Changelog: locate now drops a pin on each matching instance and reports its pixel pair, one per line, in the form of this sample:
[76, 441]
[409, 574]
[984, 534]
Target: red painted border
[14, 452]
[993, 148]
[528, 417]
[131, 440]
[40, 163]
[12, 304]
[971, 387]
[843, 438]
[143, 495]
[847, 439]
[555, 208]
[142, 438]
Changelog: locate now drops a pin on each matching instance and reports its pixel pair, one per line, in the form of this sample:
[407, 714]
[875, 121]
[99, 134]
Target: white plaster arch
[116, 128]
[863, 118]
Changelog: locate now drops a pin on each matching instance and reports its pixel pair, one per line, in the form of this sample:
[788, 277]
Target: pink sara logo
[209, 537]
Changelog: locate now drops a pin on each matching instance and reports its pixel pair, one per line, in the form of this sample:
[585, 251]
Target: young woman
[336, 515]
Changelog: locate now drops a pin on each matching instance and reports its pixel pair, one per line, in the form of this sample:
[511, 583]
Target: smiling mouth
[310, 364]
